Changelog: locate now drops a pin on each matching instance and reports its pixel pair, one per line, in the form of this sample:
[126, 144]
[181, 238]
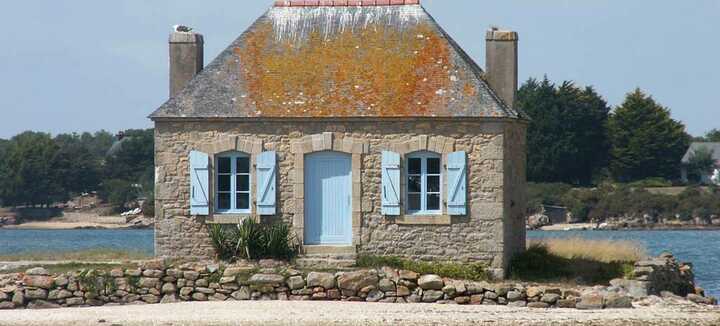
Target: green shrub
[221, 241]
[252, 240]
[247, 237]
[651, 183]
[279, 241]
[546, 194]
[118, 193]
[617, 200]
[697, 202]
[468, 271]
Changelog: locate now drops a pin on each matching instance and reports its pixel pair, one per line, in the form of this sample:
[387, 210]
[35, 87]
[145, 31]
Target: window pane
[433, 202]
[243, 201]
[243, 165]
[243, 183]
[224, 201]
[414, 166]
[433, 184]
[433, 166]
[224, 165]
[224, 183]
[413, 202]
[414, 184]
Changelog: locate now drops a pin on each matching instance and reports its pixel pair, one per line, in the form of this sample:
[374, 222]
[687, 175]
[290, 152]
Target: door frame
[344, 160]
[328, 142]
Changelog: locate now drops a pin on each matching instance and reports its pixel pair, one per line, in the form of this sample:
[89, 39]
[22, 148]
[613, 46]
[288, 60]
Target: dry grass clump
[605, 251]
[92, 255]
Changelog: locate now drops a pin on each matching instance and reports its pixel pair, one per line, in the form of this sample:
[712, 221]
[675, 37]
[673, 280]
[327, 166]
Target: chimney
[502, 64]
[186, 57]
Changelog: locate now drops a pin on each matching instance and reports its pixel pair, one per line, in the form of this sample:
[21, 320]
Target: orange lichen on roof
[377, 71]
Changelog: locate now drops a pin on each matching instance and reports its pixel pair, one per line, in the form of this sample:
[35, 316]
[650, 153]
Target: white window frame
[233, 156]
[423, 156]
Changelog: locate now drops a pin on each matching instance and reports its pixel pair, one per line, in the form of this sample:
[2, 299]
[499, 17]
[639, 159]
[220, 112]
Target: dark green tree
[30, 176]
[646, 141]
[701, 163]
[77, 169]
[97, 143]
[713, 136]
[567, 138]
[133, 158]
[4, 145]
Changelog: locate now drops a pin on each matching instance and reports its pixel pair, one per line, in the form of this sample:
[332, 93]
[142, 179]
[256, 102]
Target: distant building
[705, 178]
[366, 128]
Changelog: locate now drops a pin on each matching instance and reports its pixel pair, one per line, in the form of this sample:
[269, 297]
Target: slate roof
[715, 147]
[371, 61]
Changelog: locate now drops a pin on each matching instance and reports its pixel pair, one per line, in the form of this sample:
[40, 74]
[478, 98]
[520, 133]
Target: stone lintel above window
[437, 144]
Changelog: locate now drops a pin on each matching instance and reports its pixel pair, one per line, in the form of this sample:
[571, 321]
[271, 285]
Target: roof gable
[370, 61]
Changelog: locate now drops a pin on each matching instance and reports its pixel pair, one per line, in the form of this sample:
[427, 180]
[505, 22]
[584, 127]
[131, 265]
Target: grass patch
[575, 260]
[595, 250]
[85, 255]
[471, 271]
[72, 267]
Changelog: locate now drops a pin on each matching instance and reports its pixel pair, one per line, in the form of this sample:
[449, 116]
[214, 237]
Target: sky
[87, 65]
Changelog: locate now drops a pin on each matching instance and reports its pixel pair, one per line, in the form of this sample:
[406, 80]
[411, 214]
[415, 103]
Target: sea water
[23, 242]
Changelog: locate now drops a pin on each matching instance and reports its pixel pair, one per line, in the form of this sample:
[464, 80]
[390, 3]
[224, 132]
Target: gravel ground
[340, 313]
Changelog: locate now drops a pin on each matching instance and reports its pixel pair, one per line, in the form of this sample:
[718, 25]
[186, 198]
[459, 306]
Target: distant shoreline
[71, 226]
[653, 227]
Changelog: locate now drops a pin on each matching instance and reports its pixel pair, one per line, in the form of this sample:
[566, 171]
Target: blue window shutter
[199, 183]
[267, 180]
[457, 183]
[390, 183]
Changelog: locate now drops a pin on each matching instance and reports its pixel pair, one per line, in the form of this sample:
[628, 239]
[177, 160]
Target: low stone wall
[156, 282]
[662, 276]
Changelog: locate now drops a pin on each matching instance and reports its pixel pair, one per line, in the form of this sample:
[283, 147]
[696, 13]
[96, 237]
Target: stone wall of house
[481, 236]
[515, 168]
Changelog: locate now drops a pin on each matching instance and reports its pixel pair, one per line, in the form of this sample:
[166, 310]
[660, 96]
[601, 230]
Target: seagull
[182, 28]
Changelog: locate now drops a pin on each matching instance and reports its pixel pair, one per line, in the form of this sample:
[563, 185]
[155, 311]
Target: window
[423, 183]
[233, 183]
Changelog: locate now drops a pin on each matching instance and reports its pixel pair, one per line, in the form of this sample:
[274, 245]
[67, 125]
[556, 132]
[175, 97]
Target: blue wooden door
[328, 204]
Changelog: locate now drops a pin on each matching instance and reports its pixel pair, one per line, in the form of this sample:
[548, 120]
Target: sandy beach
[76, 220]
[345, 313]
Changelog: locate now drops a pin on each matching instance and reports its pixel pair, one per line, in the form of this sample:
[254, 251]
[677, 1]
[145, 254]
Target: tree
[4, 174]
[134, 159]
[118, 192]
[713, 136]
[30, 176]
[646, 141]
[77, 169]
[37, 169]
[97, 143]
[701, 163]
[567, 138]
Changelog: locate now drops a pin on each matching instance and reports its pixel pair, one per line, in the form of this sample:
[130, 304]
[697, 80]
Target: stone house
[361, 124]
